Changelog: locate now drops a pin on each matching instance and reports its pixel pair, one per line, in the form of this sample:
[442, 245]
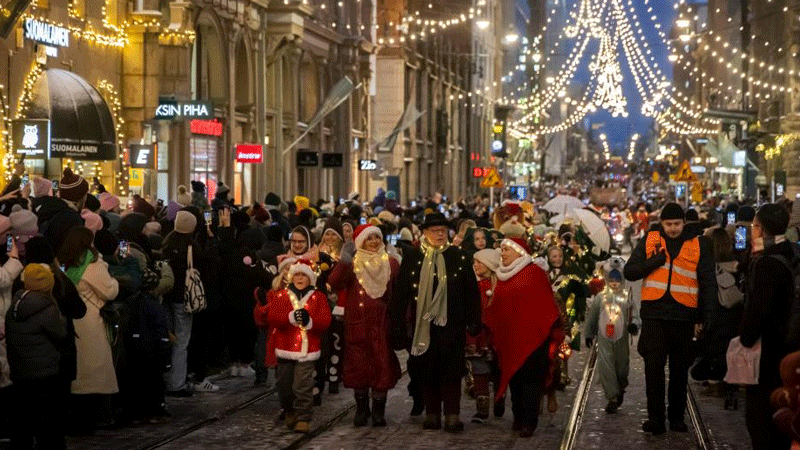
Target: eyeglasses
[297, 242]
[438, 230]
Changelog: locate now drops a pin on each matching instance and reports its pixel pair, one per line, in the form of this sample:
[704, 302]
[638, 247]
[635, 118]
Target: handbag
[194, 296]
[743, 363]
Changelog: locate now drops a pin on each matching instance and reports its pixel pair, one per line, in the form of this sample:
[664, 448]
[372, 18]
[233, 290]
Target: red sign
[477, 172]
[207, 127]
[249, 153]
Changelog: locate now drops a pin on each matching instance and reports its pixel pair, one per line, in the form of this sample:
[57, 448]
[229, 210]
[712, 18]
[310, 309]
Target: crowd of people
[110, 307]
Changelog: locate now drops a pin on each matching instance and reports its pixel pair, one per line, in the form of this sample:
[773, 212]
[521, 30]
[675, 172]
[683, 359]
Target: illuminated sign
[183, 110]
[249, 153]
[206, 127]
[367, 164]
[142, 156]
[477, 172]
[31, 137]
[46, 33]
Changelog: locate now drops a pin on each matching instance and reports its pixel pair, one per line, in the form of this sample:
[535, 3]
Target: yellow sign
[697, 192]
[137, 178]
[491, 178]
[656, 177]
[498, 128]
[685, 173]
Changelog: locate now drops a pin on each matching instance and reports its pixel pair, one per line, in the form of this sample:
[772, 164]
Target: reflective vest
[678, 276]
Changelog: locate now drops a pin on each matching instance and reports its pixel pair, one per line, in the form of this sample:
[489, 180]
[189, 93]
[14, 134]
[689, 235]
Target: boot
[482, 407]
[418, 407]
[378, 410]
[290, 420]
[552, 403]
[500, 407]
[432, 422]
[453, 424]
[362, 410]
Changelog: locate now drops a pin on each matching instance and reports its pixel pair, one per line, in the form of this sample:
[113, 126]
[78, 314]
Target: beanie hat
[672, 211]
[92, 203]
[774, 219]
[38, 250]
[259, 213]
[144, 207]
[489, 257]
[518, 245]
[92, 221]
[335, 225]
[105, 242]
[303, 266]
[185, 222]
[23, 222]
[387, 216]
[614, 275]
[183, 197]
[405, 235]
[301, 203]
[38, 278]
[108, 201]
[198, 186]
[72, 187]
[42, 187]
[745, 214]
[131, 225]
[691, 215]
[222, 190]
[391, 195]
[272, 200]
[151, 228]
[363, 232]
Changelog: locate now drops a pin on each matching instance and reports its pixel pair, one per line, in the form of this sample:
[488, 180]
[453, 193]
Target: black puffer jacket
[34, 334]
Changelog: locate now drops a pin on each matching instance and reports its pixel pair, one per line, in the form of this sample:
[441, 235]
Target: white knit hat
[303, 266]
[489, 257]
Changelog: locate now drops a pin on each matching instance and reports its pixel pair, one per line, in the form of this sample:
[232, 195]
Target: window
[203, 163]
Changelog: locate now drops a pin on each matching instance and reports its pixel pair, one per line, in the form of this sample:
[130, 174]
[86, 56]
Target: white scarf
[505, 273]
[372, 271]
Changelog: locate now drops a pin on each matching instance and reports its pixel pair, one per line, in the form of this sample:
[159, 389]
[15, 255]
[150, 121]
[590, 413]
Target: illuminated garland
[112, 98]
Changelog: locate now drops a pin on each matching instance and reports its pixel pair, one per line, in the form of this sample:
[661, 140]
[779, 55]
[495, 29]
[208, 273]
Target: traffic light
[499, 139]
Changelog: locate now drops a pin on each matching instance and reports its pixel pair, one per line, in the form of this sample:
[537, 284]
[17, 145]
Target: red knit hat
[363, 231]
[519, 245]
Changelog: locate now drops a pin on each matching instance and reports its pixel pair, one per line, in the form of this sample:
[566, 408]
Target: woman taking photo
[369, 362]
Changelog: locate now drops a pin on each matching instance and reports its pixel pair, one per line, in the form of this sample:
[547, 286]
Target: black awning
[81, 125]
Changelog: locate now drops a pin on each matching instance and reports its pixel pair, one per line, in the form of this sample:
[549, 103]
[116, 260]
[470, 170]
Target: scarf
[76, 273]
[373, 271]
[505, 273]
[431, 305]
[759, 244]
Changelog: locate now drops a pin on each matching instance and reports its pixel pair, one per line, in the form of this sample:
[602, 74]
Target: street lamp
[482, 23]
[683, 23]
[512, 36]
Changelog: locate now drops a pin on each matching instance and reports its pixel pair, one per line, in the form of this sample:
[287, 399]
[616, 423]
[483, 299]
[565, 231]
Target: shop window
[162, 164]
[203, 163]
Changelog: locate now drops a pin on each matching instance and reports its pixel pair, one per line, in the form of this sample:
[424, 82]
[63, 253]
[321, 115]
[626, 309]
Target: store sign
[46, 33]
[183, 110]
[739, 158]
[331, 160]
[142, 156]
[249, 153]
[31, 137]
[367, 164]
[307, 159]
[518, 192]
[206, 127]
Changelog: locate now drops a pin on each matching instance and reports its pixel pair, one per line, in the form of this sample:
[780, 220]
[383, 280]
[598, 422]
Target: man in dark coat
[435, 302]
[768, 302]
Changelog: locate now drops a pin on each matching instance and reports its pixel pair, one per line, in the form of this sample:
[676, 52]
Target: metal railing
[579, 406]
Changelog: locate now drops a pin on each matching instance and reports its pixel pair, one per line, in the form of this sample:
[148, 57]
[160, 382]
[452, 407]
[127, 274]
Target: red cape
[523, 312]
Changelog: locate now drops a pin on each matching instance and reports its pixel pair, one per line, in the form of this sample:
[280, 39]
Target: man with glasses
[435, 302]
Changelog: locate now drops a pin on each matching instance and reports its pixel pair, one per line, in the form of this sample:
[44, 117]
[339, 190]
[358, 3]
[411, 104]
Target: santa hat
[362, 233]
[489, 257]
[518, 245]
[303, 266]
[285, 260]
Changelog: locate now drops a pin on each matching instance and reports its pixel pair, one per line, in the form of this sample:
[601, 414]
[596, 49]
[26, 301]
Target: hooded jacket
[35, 330]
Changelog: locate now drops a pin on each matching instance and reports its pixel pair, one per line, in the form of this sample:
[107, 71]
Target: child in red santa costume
[300, 315]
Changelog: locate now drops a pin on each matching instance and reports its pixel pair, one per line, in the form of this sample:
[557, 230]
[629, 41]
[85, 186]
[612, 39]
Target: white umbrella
[560, 204]
[594, 227]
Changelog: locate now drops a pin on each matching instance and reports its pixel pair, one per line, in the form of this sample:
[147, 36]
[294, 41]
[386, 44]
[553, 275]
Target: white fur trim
[505, 273]
[305, 269]
[338, 311]
[517, 248]
[297, 356]
[362, 236]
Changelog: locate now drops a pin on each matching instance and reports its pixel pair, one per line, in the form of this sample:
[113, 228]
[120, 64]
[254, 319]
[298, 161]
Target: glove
[633, 329]
[348, 250]
[301, 316]
[474, 330]
[654, 262]
[589, 342]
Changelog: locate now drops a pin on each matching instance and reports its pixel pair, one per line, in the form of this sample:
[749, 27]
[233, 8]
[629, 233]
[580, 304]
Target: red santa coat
[292, 340]
[522, 314]
[369, 361]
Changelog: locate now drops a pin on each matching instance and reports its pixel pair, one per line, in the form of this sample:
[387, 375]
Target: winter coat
[55, 219]
[200, 201]
[175, 251]
[72, 307]
[483, 341]
[8, 273]
[95, 364]
[289, 334]
[446, 351]
[34, 331]
[369, 361]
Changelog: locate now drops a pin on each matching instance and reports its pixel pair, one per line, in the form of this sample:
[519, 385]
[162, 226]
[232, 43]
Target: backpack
[791, 328]
[194, 296]
[728, 293]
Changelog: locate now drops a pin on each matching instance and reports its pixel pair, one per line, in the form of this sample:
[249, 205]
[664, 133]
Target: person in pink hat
[365, 275]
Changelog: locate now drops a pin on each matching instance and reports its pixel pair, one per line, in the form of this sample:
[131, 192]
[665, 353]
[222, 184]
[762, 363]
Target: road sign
[491, 178]
[697, 192]
[685, 173]
[656, 177]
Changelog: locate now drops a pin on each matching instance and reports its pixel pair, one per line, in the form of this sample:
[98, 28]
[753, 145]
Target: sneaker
[235, 371]
[247, 371]
[205, 386]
